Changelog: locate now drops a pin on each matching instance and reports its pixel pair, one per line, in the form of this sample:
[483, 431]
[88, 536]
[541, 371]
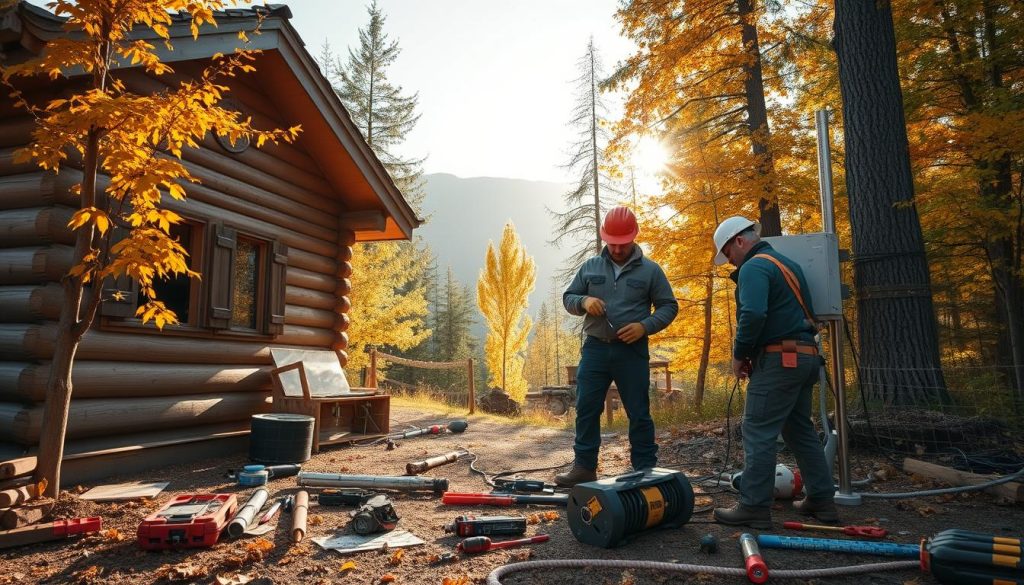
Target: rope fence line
[454, 365]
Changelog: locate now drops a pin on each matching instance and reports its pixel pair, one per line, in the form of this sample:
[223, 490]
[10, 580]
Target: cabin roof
[373, 205]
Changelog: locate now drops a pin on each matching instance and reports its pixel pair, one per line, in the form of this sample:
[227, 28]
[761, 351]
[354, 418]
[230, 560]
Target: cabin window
[246, 276]
[181, 293]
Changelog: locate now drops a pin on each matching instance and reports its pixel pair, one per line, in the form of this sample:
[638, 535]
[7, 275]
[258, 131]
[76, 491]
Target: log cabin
[271, 230]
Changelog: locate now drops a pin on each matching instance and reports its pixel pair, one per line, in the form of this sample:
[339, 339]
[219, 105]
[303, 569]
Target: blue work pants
[779, 400]
[627, 364]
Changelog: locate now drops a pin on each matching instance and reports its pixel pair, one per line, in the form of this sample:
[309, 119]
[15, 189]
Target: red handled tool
[499, 499]
[479, 544]
[757, 570]
[866, 531]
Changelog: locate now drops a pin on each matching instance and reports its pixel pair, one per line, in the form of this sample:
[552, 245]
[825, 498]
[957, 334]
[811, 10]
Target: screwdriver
[479, 544]
[271, 512]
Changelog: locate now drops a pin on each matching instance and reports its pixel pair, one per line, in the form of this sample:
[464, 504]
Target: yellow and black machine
[610, 511]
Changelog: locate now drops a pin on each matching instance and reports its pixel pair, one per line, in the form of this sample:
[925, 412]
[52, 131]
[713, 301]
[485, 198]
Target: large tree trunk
[757, 119]
[896, 320]
[705, 350]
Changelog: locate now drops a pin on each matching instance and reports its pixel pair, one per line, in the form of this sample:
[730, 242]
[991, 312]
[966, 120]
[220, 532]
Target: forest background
[729, 90]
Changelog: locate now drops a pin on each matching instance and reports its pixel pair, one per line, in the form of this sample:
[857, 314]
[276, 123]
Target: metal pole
[844, 495]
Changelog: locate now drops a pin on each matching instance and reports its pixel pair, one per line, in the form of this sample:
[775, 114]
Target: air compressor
[609, 511]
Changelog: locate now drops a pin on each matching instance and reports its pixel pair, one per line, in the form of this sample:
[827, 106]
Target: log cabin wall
[131, 383]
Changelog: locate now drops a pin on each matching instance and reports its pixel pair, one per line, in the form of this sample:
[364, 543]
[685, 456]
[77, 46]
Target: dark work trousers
[779, 400]
[627, 364]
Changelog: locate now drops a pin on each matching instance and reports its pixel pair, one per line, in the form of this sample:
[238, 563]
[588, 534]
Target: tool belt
[789, 348]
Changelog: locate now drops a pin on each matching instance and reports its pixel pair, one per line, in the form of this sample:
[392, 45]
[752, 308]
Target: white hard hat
[727, 230]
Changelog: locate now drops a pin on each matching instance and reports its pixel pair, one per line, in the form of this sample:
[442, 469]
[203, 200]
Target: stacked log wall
[137, 381]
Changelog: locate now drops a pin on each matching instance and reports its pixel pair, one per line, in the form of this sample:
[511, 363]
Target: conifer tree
[580, 223]
[393, 316]
[451, 334]
[502, 292]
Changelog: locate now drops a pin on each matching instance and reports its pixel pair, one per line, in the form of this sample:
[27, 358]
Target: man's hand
[631, 332]
[593, 306]
[741, 368]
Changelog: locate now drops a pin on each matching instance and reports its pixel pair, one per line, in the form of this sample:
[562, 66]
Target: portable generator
[608, 511]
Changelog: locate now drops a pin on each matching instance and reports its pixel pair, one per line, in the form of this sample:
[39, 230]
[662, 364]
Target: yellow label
[594, 506]
[1005, 540]
[1010, 549]
[655, 505]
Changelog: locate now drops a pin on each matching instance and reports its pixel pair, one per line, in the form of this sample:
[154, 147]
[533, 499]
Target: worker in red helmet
[615, 292]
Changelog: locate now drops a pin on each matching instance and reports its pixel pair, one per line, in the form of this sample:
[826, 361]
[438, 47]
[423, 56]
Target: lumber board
[26, 514]
[16, 496]
[1013, 491]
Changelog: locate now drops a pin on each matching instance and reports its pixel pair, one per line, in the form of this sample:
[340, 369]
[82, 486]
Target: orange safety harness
[789, 347]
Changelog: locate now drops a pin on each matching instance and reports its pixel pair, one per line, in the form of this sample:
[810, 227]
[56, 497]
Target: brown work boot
[575, 475]
[823, 510]
[740, 515]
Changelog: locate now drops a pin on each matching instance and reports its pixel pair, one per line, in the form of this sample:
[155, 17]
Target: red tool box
[187, 521]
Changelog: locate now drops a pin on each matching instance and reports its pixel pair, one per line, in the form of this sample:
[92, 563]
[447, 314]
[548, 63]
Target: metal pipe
[845, 495]
[312, 479]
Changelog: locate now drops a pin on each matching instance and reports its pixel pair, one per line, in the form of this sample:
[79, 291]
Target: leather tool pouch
[789, 357]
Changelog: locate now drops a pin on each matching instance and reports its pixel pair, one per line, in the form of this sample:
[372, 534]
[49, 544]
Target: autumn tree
[552, 347]
[706, 56]
[899, 350]
[455, 316]
[128, 147]
[391, 310]
[580, 224]
[502, 292]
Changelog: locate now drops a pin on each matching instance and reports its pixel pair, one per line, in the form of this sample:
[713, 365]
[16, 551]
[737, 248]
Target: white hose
[941, 491]
[495, 577]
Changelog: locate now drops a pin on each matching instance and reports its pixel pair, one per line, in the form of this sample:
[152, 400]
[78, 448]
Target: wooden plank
[16, 467]
[1013, 491]
[16, 496]
[30, 303]
[26, 514]
[124, 491]
[35, 264]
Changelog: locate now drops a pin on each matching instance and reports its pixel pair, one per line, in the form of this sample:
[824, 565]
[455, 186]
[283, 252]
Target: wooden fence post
[472, 386]
[372, 382]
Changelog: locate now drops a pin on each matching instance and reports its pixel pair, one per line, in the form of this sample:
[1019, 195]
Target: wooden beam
[30, 303]
[363, 221]
[1013, 491]
[36, 226]
[35, 264]
[26, 514]
[16, 467]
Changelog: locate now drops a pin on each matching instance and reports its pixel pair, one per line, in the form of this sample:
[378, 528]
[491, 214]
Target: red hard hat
[619, 226]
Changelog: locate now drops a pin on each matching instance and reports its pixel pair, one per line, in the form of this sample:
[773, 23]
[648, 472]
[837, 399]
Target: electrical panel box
[818, 256]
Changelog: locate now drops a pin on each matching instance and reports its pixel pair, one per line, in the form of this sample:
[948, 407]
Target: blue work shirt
[767, 311]
[627, 299]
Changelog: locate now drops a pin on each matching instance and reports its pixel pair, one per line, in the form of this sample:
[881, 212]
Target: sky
[494, 78]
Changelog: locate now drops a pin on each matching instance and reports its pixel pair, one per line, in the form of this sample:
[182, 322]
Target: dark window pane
[174, 292]
[245, 276]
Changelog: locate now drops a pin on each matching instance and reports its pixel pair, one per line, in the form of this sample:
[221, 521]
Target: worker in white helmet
[775, 348]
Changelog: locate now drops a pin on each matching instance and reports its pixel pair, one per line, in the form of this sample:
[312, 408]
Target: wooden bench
[312, 382]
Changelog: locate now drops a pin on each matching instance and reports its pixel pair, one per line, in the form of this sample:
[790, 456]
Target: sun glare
[649, 160]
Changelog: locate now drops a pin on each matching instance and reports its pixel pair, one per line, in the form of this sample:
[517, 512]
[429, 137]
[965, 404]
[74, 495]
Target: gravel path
[500, 445]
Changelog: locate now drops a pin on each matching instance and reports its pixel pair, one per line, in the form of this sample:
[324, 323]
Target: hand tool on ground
[247, 512]
[479, 544]
[487, 526]
[253, 475]
[274, 508]
[299, 516]
[866, 531]
[499, 499]
[957, 557]
[533, 486]
[417, 467]
[187, 521]
[343, 497]
[376, 515]
[456, 426]
[283, 470]
[375, 482]
[757, 570]
[49, 531]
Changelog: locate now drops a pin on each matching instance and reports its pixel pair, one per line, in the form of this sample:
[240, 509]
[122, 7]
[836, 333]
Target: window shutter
[124, 286]
[220, 276]
[276, 284]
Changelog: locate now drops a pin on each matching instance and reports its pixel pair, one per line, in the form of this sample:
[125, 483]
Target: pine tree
[580, 224]
[393, 314]
[455, 317]
[502, 292]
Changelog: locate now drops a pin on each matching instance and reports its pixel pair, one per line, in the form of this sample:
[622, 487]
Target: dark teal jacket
[641, 284]
[767, 311]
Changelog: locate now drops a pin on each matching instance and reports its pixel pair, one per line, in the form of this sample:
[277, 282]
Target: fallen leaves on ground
[542, 517]
[315, 520]
[387, 578]
[460, 580]
[347, 566]
[253, 552]
[396, 557]
[88, 574]
[238, 579]
[113, 534]
[292, 553]
[181, 572]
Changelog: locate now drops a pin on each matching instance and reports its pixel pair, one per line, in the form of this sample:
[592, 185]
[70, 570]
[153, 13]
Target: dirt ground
[500, 445]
